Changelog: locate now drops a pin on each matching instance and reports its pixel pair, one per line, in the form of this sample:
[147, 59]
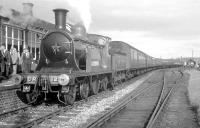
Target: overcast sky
[160, 28]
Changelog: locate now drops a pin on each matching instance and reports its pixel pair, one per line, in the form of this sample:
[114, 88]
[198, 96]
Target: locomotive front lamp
[17, 79]
[26, 88]
[63, 79]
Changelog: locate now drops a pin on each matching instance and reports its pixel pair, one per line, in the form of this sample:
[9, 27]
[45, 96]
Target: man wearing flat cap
[5, 61]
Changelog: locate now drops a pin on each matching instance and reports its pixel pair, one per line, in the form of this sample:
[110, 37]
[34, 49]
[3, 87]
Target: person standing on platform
[27, 59]
[7, 61]
[15, 59]
[2, 63]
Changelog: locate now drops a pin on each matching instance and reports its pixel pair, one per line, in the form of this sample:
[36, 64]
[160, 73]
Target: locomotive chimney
[27, 9]
[60, 18]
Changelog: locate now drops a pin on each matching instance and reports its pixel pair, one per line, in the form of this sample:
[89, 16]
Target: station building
[22, 29]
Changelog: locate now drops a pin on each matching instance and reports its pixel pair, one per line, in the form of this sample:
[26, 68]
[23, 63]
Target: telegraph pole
[192, 53]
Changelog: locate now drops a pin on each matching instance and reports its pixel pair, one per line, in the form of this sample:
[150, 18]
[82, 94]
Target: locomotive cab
[79, 35]
[81, 58]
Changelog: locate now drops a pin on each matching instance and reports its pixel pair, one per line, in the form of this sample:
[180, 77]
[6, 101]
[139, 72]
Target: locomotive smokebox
[60, 18]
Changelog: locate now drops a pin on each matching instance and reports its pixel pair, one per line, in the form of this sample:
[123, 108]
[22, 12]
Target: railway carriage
[74, 63]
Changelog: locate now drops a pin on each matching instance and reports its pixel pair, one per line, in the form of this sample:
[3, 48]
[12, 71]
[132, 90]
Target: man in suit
[2, 63]
[27, 59]
[6, 63]
[15, 59]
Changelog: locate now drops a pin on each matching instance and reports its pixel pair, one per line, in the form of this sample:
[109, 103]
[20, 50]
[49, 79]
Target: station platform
[8, 84]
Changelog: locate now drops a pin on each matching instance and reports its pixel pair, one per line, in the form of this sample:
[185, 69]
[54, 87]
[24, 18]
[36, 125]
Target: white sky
[160, 28]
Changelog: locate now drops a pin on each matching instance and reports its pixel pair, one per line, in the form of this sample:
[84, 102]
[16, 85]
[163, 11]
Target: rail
[108, 115]
[13, 111]
[98, 122]
[35, 122]
[104, 118]
[161, 103]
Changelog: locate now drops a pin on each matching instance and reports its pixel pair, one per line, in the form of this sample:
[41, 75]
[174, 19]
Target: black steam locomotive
[74, 63]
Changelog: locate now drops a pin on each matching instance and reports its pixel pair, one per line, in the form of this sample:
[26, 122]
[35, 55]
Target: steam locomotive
[74, 63]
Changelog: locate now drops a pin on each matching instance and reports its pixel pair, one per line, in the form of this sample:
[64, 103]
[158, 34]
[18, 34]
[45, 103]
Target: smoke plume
[17, 17]
[80, 12]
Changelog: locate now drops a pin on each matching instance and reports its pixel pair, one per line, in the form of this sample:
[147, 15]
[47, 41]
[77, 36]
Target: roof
[17, 18]
[41, 24]
[123, 43]
[100, 36]
[190, 60]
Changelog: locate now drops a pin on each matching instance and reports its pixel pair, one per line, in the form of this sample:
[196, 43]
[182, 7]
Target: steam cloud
[80, 12]
[16, 17]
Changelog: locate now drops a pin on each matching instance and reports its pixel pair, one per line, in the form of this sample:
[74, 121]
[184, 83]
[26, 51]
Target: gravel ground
[93, 108]
[178, 113]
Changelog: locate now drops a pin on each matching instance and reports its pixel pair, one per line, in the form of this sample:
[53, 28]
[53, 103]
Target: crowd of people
[11, 62]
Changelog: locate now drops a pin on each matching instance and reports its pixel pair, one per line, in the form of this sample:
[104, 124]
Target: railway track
[161, 101]
[107, 116]
[33, 116]
[15, 111]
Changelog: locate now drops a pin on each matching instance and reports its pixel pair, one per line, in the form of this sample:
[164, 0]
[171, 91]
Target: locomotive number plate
[55, 79]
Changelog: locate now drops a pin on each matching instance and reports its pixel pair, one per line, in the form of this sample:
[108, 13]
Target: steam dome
[78, 30]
